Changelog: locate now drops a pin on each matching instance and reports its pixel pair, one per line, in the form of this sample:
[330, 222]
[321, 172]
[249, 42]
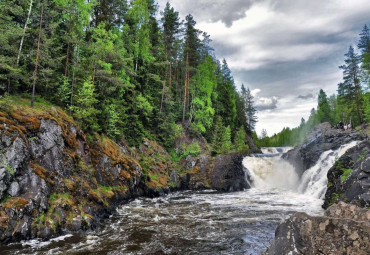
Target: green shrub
[345, 174]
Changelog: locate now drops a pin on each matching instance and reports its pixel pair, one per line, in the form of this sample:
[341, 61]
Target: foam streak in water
[314, 180]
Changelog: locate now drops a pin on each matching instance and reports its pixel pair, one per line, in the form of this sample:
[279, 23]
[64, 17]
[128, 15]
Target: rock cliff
[321, 139]
[349, 178]
[345, 227]
[55, 179]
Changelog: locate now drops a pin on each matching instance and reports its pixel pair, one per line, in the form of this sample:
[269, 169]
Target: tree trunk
[75, 64]
[67, 59]
[170, 74]
[185, 88]
[37, 58]
[163, 89]
[24, 32]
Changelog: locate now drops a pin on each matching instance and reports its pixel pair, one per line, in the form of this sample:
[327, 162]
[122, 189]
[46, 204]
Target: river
[202, 222]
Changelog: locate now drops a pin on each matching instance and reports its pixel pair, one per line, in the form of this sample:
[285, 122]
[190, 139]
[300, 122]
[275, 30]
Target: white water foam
[314, 180]
[271, 171]
[275, 150]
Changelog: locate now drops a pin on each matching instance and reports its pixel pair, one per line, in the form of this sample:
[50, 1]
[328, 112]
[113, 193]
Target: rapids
[203, 222]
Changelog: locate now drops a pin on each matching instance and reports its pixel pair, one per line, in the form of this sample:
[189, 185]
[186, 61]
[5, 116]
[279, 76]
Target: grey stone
[228, 173]
[13, 189]
[345, 229]
[16, 154]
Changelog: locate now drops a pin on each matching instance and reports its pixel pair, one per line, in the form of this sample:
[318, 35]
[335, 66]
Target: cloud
[285, 49]
[308, 96]
[264, 103]
[211, 11]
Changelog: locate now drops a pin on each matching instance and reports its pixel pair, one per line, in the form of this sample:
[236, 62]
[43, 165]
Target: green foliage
[221, 137]
[84, 108]
[239, 141]
[193, 149]
[10, 169]
[345, 174]
[362, 156]
[118, 71]
[334, 198]
[204, 86]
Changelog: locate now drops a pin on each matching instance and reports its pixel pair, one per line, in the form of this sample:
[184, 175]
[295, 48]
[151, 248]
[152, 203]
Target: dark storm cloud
[308, 96]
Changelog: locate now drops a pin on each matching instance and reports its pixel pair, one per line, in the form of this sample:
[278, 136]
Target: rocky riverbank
[56, 179]
[345, 227]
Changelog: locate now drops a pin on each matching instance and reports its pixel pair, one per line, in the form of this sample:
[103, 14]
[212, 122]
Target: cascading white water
[269, 170]
[314, 180]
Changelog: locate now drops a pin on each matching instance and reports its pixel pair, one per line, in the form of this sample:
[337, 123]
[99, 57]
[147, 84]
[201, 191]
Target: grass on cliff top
[22, 103]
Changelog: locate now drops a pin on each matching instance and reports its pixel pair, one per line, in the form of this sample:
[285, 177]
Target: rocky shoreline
[345, 227]
[55, 179]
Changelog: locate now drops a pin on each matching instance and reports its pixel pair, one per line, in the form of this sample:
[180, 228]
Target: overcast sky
[283, 50]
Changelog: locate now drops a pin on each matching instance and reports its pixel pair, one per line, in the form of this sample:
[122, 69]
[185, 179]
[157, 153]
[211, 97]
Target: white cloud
[284, 48]
[264, 103]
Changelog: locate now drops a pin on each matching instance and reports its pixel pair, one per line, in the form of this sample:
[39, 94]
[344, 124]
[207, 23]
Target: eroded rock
[345, 229]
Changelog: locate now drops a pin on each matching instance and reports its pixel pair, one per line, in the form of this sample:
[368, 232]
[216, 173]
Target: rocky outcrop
[345, 229]
[321, 139]
[55, 179]
[228, 173]
[52, 180]
[349, 178]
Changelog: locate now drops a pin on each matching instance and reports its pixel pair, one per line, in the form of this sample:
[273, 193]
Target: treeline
[350, 106]
[121, 71]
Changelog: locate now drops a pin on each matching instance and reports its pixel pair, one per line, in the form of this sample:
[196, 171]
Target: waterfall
[314, 180]
[269, 170]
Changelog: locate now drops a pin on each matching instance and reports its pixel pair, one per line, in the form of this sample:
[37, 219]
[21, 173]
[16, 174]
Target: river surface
[185, 223]
[203, 222]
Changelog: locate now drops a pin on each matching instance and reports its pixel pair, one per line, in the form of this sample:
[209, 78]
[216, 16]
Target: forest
[123, 68]
[350, 106]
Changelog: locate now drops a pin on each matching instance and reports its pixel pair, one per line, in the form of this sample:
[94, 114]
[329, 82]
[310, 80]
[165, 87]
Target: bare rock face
[321, 139]
[52, 180]
[345, 229]
[228, 173]
[349, 178]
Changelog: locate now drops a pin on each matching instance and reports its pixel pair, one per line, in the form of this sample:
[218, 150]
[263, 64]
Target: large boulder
[349, 178]
[344, 229]
[228, 173]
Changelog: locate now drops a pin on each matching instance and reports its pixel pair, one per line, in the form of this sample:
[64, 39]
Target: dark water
[184, 223]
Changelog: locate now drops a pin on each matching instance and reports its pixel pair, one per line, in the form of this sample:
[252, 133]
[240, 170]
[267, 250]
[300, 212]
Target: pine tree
[323, 109]
[225, 102]
[240, 143]
[10, 35]
[84, 109]
[364, 43]
[249, 108]
[203, 89]
[350, 90]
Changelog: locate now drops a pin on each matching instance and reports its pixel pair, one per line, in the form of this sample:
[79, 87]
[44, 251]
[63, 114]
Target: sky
[284, 51]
